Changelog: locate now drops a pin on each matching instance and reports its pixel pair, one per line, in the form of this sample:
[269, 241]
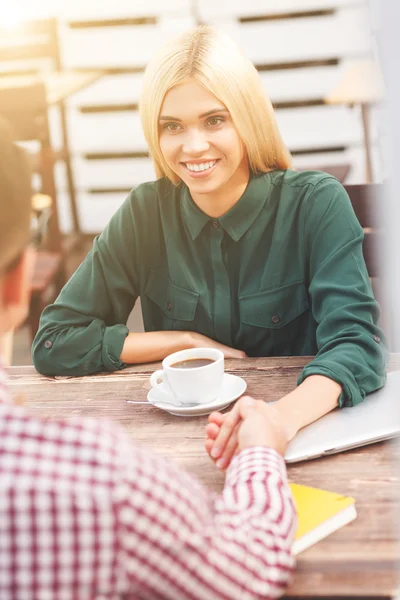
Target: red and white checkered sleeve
[179, 541]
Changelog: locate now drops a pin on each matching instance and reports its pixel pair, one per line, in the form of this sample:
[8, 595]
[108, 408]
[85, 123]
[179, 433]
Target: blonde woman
[229, 248]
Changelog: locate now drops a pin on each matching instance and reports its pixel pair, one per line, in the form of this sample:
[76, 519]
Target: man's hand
[250, 423]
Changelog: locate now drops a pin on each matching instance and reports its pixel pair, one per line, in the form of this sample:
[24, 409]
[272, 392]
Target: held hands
[249, 423]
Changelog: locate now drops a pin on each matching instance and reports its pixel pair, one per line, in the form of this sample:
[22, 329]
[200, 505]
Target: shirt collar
[239, 218]
[5, 395]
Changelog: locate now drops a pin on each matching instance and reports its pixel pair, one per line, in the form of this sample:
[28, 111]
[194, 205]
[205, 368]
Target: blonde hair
[213, 60]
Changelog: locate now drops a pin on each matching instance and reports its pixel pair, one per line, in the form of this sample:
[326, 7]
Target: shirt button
[48, 344]
[215, 224]
[169, 306]
[275, 319]
[377, 339]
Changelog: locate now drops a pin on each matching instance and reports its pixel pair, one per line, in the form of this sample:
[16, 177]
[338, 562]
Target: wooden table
[360, 560]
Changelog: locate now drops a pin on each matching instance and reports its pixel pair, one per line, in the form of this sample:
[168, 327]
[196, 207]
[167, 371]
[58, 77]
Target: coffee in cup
[192, 363]
[192, 376]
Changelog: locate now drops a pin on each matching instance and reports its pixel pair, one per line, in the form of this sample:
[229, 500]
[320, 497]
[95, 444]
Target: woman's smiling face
[199, 141]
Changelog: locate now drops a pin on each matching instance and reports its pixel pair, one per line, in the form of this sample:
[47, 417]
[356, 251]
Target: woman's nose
[195, 142]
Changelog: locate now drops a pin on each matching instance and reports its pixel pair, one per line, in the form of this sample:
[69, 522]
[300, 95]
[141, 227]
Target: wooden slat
[113, 70]
[133, 107]
[110, 190]
[114, 155]
[286, 15]
[311, 150]
[210, 9]
[92, 24]
[260, 66]
[297, 64]
[106, 108]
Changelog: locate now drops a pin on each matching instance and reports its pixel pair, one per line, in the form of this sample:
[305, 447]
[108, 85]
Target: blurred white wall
[386, 29]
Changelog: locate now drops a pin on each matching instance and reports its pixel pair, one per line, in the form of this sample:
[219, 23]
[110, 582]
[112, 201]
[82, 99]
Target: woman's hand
[250, 423]
[201, 341]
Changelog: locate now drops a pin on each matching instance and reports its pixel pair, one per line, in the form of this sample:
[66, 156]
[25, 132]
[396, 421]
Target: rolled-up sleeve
[352, 349]
[84, 330]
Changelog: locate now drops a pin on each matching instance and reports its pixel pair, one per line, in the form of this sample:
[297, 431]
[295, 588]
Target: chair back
[26, 47]
[367, 201]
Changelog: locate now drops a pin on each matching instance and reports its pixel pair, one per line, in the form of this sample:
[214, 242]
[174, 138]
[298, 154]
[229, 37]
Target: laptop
[377, 418]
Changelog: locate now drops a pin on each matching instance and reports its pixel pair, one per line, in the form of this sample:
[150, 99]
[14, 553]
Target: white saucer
[232, 387]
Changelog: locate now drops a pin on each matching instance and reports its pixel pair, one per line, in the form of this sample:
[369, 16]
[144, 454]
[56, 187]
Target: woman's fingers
[232, 353]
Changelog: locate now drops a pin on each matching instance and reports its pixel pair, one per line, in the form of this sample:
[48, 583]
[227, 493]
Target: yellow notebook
[319, 513]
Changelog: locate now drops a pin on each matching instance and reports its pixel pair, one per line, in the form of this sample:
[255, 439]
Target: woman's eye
[172, 127]
[215, 121]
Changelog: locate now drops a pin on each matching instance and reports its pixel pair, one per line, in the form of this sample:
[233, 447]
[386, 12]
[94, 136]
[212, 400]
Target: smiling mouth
[202, 167]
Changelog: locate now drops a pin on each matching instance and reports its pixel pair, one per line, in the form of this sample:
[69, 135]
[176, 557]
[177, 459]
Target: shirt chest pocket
[177, 305]
[276, 310]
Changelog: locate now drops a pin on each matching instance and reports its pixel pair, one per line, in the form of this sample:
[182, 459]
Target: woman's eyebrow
[206, 114]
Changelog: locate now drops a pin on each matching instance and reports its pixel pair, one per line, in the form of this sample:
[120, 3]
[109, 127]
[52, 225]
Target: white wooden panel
[346, 33]
[319, 126]
[105, 9]
[287, 84]
[301, 84]
[355, 156]
[91, 9]
[114, 173]
[21, 10]
[111, 89]
[64, 213]
[300, 127]
[96, 210]
[118, 46]
[106, 132]
[212, 9]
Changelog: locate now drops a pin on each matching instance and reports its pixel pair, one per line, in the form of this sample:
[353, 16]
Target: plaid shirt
[85, 514]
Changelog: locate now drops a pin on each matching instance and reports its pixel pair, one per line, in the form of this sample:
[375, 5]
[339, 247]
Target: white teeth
[200, 166]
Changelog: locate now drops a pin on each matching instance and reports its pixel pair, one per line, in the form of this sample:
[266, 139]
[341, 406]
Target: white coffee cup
[194, 385]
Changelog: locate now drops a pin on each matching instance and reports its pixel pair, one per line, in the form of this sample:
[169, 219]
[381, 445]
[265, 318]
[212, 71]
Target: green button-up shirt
[281, 273]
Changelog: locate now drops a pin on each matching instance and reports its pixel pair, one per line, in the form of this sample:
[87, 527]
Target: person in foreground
[229, 248]
[87, 515]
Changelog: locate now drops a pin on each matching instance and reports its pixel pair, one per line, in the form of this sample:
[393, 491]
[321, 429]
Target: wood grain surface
[360, 560]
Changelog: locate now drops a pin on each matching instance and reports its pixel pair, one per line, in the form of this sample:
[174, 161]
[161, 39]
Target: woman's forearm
[312, 399]
[153, 346]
